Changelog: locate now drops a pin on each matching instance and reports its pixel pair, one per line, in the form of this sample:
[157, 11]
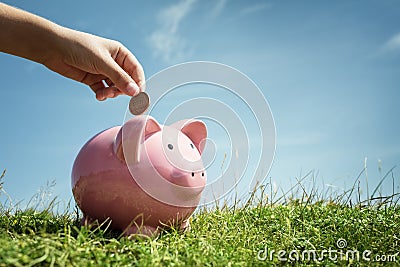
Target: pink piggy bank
[143, 176]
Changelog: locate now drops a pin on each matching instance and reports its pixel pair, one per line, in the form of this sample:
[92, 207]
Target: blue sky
[330, 71]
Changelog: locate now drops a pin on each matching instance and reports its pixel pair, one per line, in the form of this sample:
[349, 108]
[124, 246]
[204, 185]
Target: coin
[139, 103]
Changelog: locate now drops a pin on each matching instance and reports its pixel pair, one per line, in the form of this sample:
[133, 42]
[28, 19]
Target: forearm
[27, 35]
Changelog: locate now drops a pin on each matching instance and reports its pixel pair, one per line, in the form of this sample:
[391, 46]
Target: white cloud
[393, 44]
[217, 9]
[166, 41]
[254, 8]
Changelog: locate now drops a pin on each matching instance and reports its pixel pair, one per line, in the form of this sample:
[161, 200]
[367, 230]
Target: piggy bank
[142, 176]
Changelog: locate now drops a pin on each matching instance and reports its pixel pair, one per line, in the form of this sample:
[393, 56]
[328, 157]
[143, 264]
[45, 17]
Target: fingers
[103, 92]
[120, 78]
[99, 89]
[109, 82]
[114, 64]
[91, 79]
[107, 92]
[103, 88]
[131, 65]
[124, 70]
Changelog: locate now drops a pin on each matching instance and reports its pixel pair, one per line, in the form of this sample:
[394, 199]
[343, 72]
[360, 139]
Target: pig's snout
[199, 173]
[188, 178]
[176, 174]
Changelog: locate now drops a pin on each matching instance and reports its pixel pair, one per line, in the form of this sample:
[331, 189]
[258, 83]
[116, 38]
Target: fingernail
[132, 88]
[100, 97]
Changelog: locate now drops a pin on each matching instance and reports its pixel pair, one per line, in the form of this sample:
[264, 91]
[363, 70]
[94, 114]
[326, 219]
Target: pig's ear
[132, 135]
[196, 130]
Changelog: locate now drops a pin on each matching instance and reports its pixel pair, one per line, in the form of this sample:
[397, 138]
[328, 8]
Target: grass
[225, 235]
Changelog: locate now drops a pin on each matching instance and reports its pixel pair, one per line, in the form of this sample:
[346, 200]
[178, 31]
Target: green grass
[221, 236]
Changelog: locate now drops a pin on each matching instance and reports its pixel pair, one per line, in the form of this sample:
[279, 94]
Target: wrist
[47, 43]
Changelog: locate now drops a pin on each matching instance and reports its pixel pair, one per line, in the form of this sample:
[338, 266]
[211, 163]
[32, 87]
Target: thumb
[120, 78]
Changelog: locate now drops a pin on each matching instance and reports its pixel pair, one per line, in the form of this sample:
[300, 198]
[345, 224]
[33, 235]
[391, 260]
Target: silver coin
[139, 103]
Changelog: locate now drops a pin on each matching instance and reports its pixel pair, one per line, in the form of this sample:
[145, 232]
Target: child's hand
[91, 60]
[105, 65]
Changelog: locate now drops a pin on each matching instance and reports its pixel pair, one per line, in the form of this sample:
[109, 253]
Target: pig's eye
[170, 146]
[192, 146]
